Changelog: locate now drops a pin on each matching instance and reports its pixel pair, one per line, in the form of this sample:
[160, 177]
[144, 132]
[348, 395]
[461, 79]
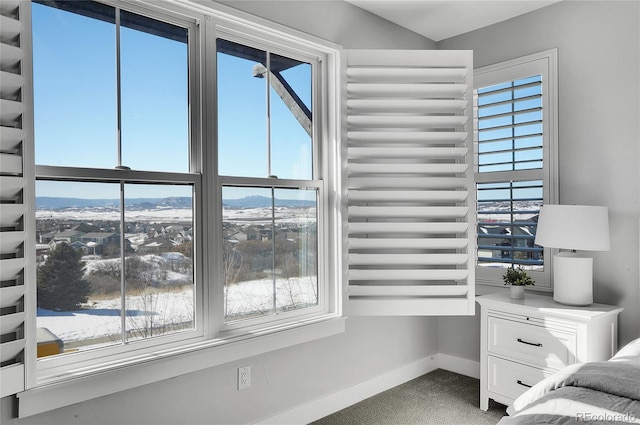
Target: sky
[496, 148]
[76, 110]
[76, 107]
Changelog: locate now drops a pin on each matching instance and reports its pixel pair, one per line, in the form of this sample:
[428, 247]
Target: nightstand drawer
[531, 344]
[511, 379]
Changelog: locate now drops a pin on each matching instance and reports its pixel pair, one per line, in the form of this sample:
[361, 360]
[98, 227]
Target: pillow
[629, 353]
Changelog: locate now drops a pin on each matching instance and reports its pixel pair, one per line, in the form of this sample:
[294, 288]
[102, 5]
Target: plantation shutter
[411, 199]
[16, 195]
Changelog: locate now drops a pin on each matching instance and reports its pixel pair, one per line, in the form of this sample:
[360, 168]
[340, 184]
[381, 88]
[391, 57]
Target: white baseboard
[331, 403]
[459, 365]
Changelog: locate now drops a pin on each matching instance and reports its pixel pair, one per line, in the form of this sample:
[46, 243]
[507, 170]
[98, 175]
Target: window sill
[157, 367]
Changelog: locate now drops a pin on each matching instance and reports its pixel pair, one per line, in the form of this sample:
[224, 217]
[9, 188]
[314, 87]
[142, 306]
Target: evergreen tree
[61, 283]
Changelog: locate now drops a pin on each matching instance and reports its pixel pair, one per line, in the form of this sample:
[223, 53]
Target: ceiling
[441, 19]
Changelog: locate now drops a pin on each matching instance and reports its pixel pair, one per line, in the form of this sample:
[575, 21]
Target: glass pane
[270, 251]
[296, 245]
[78, 274]
[507, 223]
[291, 119]
[74, 73]
[159, 277]
[247, 227]
[242, 110]
[155, 102]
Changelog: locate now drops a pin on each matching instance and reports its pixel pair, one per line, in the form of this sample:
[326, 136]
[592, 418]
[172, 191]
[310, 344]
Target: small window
[515, 163]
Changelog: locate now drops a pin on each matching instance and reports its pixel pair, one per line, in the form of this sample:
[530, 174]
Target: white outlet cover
[244, 377]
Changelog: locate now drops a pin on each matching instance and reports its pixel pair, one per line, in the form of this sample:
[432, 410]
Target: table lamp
[573, 228]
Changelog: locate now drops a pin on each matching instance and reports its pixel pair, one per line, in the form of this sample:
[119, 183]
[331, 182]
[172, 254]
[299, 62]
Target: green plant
[61, 283]
[517, 277]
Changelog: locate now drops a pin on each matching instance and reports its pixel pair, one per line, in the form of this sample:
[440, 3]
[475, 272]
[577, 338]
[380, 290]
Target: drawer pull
[523, 384]
[535, 344]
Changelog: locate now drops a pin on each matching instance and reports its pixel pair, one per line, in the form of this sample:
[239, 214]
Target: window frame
[545, 64]
[213, 345]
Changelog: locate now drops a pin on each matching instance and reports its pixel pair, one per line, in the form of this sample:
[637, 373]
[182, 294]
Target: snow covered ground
[171, 309]
[236, 215]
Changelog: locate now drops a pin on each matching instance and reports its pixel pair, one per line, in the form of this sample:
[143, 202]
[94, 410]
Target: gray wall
[337, 21]
[282, 379]
[599, 134]
[599, 47]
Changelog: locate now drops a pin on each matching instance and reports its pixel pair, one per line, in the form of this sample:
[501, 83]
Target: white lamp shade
[576, 227]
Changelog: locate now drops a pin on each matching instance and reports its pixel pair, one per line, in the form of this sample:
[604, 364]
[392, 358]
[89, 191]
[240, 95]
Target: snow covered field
[237, 215]
[170, 309]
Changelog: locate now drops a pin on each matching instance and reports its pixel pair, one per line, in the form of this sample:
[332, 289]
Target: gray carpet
[439, 398]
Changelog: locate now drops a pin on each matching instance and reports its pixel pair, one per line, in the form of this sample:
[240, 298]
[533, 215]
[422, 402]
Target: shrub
[61, 285]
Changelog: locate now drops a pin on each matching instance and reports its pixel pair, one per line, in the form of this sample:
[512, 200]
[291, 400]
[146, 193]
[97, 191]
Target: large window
[514, 163]
[183, 190]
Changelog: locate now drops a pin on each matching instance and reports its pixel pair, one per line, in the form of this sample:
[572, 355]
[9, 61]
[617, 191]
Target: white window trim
[164, 362]
[544, 63]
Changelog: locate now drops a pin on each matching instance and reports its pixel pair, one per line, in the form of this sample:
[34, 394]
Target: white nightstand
[524, 341]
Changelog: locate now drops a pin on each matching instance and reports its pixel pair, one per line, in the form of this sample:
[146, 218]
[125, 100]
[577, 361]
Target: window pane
[264, 108]
[507, 222]
[291, 120]
[80, 240]
[78, 275]
[242, 111]
[510, 127]
[74, 73]
[155, 104]
[270, 251]
[159, 277]
[296, 246]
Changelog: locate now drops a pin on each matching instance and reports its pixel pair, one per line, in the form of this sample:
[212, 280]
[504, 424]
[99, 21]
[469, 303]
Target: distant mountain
[50, 203]
[257, 201]
[175, 202]
[45, 202]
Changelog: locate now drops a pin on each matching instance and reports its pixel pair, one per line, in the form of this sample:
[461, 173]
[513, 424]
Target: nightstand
[523, 341]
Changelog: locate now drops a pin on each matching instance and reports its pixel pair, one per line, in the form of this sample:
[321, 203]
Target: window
[186, 193]
[515, 163]
[271, 197]
[115, 186]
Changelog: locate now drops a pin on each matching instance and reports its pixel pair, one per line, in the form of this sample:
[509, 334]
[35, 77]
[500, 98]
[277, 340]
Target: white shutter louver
[16, 194]
[411, 202]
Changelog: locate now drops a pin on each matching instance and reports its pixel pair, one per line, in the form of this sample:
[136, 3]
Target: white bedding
[599, 392]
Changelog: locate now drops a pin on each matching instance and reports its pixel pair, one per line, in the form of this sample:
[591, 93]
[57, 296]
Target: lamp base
[573, 279]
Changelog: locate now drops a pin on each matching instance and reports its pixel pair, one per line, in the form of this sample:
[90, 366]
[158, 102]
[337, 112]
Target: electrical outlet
[244, 377]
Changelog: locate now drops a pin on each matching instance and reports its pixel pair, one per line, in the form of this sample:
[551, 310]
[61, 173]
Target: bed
[597, 393]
